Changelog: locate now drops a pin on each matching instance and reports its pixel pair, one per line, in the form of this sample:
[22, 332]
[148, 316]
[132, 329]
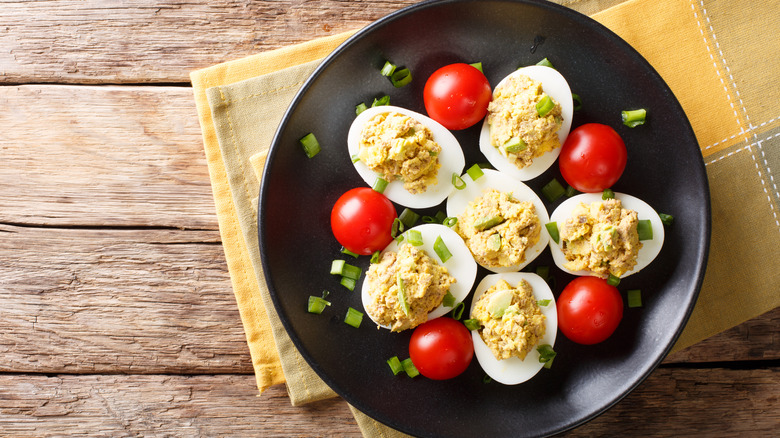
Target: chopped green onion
[478, 66]
[408, 217]
[457, 312]
[429, 219]
[472, 324]
[634, 118]
[310, 145]
[666, 219]
[645, 229]
[613, 280]
[475, 172]
[318, 304]
[337, 267]
[440, 216]
[396, 228]
[384, 100]
[577, 101]
[543, 303]
[441, 249]
[387, 69]
[544, 106]
[448, 300]
[634, 298]
[350, 271]
[545, 62]
[402, 294]
[552, 229]
[355, 158]
[458, 182]
[553, 190]
[409, 367]
[349, 283]
[395, 365]
[546, 354]
[401, 77]
[354, 317]
[487, 222]
[607, 194]
[450, 221]
[348, 252]
[360, 108]
[515, 145]
[414, 237]
[380, 185]
[571, 191]
[486, 379]
[375, 257]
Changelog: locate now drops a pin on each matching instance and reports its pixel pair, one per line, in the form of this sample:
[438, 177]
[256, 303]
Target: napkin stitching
[750, 129]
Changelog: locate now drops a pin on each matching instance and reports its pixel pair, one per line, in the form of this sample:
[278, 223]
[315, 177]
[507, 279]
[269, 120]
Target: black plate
[665, 169]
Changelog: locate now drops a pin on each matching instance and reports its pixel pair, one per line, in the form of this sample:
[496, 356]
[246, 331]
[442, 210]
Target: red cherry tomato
[361, 220]
[592, 158]
[441, 348]
[589, 310]
[457, 96]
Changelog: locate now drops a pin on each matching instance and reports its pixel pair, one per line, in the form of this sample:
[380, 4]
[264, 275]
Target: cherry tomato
[592, 158]
[457, 96]
[589, 310]
[441, 348]
[361, 220]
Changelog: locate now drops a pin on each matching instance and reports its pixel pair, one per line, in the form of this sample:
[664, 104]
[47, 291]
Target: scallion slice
[396, 228]
[375, 257]
[349, 283]
[543, 303]
[478, 66]
[379, 185]
[388, 69]
[472, 324]
[475, 172]
[384, 100]
[634, 298]
[546, 354]
[545, 62]
[645, 229]
[552, 230]
[543, 271]
[440, 216]
[318, 304]
[486, 379]
[402, 294]
[515, 145]
[408, 217]
[409, 367]
[666, 219]
[553, 190]
[401, 78]
[351, 271]
[613, 280]
[577, 101]
[571, 191]
[355, 158]
[414, 237]
[310, 145]
[395, 365]
[544, 106]
[441, 249]
[337, 267]
[359, 108]
[450, 221]
[348, 252]
[457, 312]
[607, 194]
[354, 317]
[448, 300]
[633, 118]
[458, 182]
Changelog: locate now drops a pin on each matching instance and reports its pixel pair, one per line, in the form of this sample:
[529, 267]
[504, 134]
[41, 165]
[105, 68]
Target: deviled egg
[605, 237]
[528, 120]
[501, 220]
[517, 314]
[413, 153]
[414, 275]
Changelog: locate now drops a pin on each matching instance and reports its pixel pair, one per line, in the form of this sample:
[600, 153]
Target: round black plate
[665, 169]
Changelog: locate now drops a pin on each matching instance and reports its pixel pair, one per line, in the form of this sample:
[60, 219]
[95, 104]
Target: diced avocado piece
[499, 302]
[488, 222]
[515, 145]
[494, 242]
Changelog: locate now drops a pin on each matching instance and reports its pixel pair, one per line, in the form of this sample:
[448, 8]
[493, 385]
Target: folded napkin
[713, 55]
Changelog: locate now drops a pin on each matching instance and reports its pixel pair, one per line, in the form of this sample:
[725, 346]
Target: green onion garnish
[634, 298]
[612, 280]
[543, 303]
[543, 271]
[310, 145]
[375, 257]
[350, 271]
[384, 100]
[645, 229]
[440, 216]
[360, 108]
[458, 182]
[396, 228]
[448, 300]
[408, 217]
[634, 118]
[544, 106]
[472, 324]
[552, 229]
[402, 294]
[545, 62]
[387, 69]
[409, 367]
[607, 194]
[354, 317]
[478, 66]
[666, 219]
[355, 158]
[546, 354]
[457, 312]
[414, 237]
[379, 185]
[553, 190]
[401, 77]
[429, 219]
[475, 172]
[450, 221]
[486, 379]
[577, 101]
[571, 191]
[318, 304]
[395, 365]
[337, 267]
[441, 249]
[349, 283]
[348, 252]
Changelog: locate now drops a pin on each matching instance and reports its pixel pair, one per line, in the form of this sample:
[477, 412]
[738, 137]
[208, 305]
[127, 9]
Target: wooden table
[116, 306]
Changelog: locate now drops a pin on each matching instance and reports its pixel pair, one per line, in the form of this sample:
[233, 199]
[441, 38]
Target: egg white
[513, 370]
[650, 248]
[555, 85]
[451, 159]
[461, 265]
[493, 179]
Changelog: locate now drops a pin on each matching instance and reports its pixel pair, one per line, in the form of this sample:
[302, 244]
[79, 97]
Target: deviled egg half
[501, 220]
[413, 153]
[598, 237]
[528, 120]
[417, 278]
[517, 315]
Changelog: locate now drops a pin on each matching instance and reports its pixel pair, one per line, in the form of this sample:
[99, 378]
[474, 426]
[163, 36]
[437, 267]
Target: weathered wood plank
[97, 41]
[103, 156]
[117, 301]
[671, 402]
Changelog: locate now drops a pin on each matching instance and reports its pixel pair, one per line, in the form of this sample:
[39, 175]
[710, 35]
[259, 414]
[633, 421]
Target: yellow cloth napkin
[723, 77]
